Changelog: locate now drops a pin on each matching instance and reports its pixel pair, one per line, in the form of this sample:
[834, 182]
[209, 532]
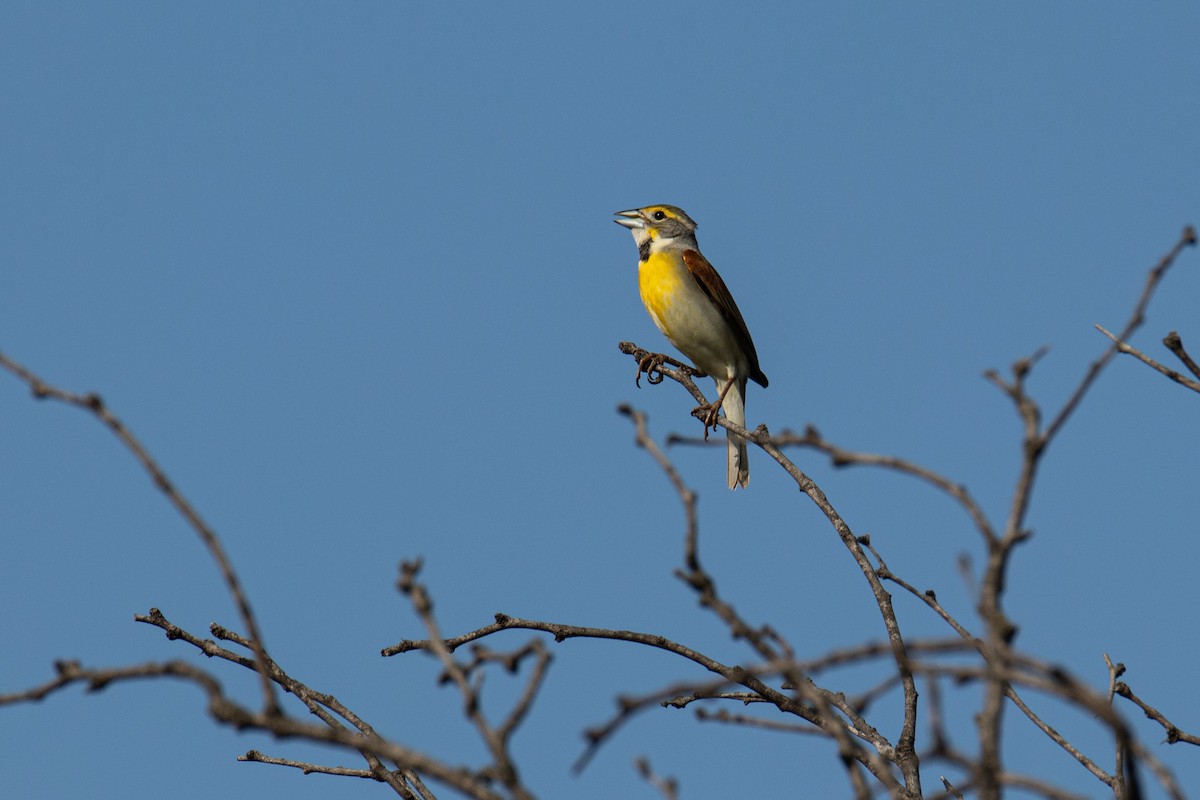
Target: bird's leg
[711, 410]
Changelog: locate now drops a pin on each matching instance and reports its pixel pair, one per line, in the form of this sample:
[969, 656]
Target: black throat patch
[644, 250]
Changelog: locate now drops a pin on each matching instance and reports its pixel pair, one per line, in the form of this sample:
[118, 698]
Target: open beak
[632, 219]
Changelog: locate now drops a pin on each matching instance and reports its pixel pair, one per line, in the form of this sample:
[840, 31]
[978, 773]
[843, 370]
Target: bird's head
[657, 227]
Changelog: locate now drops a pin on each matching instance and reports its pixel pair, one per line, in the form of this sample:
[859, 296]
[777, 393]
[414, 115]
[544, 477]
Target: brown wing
[708, 279]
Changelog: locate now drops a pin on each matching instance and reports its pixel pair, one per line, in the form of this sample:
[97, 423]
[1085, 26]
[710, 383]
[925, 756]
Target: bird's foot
[707, 414]
[651, 364]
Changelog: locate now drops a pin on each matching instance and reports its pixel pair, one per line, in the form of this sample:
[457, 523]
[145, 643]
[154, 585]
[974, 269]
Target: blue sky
[349, 272]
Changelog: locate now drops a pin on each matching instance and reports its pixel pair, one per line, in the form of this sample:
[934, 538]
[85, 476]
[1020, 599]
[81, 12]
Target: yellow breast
[660, 278]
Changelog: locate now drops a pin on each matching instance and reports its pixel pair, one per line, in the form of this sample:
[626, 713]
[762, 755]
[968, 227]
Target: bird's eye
[660, 216]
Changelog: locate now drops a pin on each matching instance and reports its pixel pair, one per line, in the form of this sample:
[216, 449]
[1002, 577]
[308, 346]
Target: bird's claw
[651, 364]
[708, 415]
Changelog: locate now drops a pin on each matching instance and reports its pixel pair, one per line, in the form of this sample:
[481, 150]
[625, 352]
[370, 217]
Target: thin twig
[667, 787]
[1174, 734]
[1128, 349]
[325, 707]
[767, 642]
[1173, 343]
[1155, 276]
[497, 739]
[841, 457]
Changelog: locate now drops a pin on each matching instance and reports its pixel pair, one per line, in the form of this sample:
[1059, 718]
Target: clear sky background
[349, 271]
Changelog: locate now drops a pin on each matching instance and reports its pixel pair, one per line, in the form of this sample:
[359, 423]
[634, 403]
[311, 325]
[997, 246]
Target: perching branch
[905, 745]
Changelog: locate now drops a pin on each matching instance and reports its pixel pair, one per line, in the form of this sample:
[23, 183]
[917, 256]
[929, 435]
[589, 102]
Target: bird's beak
[632, 219]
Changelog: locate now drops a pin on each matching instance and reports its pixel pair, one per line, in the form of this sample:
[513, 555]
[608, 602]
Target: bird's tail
[734, 406]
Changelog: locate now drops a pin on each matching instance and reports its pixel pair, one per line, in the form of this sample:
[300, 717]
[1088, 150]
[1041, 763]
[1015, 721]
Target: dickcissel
[693, 308]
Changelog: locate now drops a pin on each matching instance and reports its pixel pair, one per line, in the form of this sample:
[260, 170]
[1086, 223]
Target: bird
[693, 308]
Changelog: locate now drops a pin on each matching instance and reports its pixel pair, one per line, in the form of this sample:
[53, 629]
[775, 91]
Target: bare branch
[1155, 276]
[92, 404]
[406, 782]
[745, 720]
[1175, 345]
[776, 682]
[767, 642]
[1123, 347]
[928, 597]
[307, 768]
[841, 457]
[950, 788]
[1174, 734]
[907, 758]
[226, 711]
[667, 787]
[503, 767]
[1035, 440]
